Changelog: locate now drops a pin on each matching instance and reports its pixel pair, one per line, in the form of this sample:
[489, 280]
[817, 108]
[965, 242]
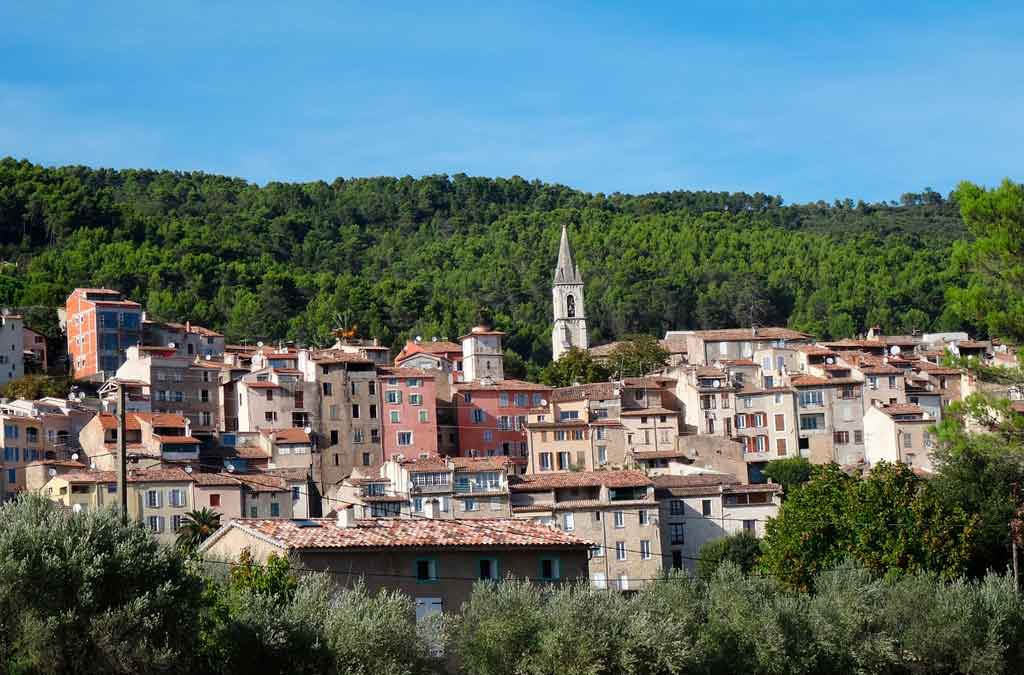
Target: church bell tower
[570, 326]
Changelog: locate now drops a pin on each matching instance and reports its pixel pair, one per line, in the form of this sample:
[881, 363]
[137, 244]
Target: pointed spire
[565, 271]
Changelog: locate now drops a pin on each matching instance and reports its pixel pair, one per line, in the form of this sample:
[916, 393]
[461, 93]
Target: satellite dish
[419, 338]
[188, 469]
[52, 472]
[543, 402]
[92, 465]
[231, 467]
[716, 384]
[171, 345]
[77, 508]
[894, 350]
[74, 456]
[830, 360]
[433, 339]
[308, 430]
[259, 343]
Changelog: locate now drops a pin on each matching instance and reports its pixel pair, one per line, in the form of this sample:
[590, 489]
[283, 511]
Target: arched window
[570, 306]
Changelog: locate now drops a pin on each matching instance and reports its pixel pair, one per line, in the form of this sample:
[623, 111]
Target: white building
[899, 433]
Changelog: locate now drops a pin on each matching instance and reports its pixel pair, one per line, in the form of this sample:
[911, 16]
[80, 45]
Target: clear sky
[811, 100]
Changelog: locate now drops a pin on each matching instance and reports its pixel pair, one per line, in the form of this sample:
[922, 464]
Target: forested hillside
[403, 256]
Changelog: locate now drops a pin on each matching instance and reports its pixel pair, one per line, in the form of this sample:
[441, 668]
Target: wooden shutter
[780, 422]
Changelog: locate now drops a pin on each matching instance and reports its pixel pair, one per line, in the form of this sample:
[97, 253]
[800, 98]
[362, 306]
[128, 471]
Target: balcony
[435, 489]
[469, 487]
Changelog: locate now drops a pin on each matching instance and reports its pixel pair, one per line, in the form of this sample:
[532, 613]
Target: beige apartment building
[463, 487]
[697, 509]
[706, 347]
[899, 433]
[347, 402]
[34, 431]
[616, 510]
[151, 438]
[765, 423]
[177, 385]
[707, 396]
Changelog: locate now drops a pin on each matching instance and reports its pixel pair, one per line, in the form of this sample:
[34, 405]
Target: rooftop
[324, 533]
[501, 385]
[750, 334]
[570, 479]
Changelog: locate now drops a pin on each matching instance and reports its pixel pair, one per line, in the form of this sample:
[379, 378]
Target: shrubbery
[82, 593]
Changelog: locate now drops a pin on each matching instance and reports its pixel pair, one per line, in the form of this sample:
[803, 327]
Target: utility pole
[1015, 527]
[122, 452]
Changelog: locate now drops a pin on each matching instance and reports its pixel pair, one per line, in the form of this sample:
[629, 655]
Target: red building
[409, 399]
[491, 417]
[101, 325]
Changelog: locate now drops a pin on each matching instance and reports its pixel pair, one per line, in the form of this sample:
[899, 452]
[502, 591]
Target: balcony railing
[478, 486]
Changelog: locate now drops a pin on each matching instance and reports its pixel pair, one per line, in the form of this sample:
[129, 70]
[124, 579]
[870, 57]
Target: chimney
[347, 517]
[431, 508]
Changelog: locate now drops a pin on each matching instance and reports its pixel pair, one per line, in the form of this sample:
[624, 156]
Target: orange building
[101, 325]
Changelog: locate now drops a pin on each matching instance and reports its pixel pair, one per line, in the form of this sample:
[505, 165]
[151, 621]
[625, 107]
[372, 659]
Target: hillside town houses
[433, 463]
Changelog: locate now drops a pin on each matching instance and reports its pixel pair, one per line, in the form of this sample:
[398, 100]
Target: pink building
[409, 399]
[491, 417]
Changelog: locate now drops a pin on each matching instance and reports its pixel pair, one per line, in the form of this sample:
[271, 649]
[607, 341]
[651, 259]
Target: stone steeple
[569, 329]
[565, 271]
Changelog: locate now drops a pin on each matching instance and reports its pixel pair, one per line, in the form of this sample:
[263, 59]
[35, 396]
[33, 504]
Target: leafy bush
[742, 549]
[83, 593]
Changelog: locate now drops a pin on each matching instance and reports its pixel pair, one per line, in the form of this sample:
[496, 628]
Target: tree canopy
[401, 257]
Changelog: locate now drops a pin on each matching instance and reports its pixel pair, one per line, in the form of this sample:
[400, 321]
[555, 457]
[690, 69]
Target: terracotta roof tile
[748, 335]
[409, 533]
[480, 463]
[597, 391]
[288, 435]
[503, 385]
[570, 479]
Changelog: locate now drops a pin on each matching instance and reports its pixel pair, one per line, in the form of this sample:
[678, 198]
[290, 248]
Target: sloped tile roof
[570, 479]
[502, 385]
[377, 533]
[597, 391]
[748, 335]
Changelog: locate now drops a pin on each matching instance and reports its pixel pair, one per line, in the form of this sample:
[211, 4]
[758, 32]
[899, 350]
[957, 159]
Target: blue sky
[812, 100]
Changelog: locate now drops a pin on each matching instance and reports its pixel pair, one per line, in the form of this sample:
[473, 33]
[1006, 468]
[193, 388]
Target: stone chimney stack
[346, 517]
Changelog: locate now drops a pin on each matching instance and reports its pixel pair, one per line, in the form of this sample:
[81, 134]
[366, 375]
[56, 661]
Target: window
[563, 461]
[254, 511]
[435, 478]
[602, 455]
[643, 516]
[394, 416]
[780, 422]
[645, 549]
[749, 526]
[705, 507]
[568, 523]
[812, 422]
[908, 440]
[205, 418]
[176, 523]
[488, 569]
[503, 399]
[522, 400]
[371, 388]
[424, 416]
[478, 416]
[872, 382]
[858, 436]
[392, 396]
[467, 397]
[270, 416]
[676, 507]
[357, 435]
[811, 397]
[373, 411]
[177, 498]
[426, 570]
[353, 387]
[560, 436]
[545, 461]
[676, 534]
[214, 500]
[153, 499]
[328, 389]
[155, 523]
[619, 519]
[564, 415]
[488, 436]
[549, 569]
[270, 395]
[334, 436]
[620, 550]
[841, 437]
[366, 459]
[275, 510]
[892, 381]
[780, 447]
[416, 399]
[405, 438]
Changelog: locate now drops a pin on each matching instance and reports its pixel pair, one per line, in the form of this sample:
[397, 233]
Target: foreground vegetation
[81, 593]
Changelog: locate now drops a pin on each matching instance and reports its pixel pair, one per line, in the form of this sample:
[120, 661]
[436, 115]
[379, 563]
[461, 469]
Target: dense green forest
[402, 256]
